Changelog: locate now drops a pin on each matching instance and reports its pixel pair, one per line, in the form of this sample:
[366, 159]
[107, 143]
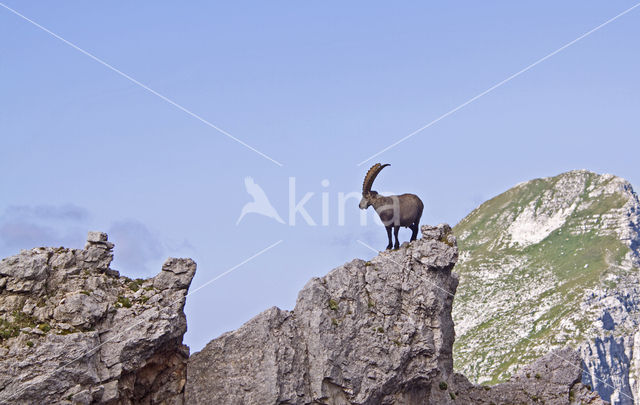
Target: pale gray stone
[95, 236]
[175, 274]
[376, 332]
[553, 379]
[80, 309]
[368, 332]
[85, 336]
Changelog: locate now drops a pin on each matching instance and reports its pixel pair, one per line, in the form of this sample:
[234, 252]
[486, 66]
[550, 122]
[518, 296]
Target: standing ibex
[395, 210]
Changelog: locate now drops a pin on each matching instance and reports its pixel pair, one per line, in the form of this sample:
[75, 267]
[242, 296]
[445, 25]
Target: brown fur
[395, 210]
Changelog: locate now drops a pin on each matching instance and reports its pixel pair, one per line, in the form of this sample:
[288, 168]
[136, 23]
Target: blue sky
[318, 87]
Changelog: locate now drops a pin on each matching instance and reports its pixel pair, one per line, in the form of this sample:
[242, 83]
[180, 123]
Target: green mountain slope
[548, 263]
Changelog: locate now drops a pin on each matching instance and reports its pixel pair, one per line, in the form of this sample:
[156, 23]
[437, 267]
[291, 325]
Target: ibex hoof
[389, 247]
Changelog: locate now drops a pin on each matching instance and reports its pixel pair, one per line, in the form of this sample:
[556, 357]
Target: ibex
[395, 210]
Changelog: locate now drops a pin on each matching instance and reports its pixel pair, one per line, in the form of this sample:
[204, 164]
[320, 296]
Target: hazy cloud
[138, 251]
[66, 212]
[26, 226]
[16, 234]
[136, 247]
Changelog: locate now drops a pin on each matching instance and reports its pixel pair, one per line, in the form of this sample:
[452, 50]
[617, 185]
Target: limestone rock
[377, 332]
[73, 331]
[367, 333]
[553, 379]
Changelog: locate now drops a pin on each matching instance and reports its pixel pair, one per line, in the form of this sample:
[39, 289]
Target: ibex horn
[371, 176]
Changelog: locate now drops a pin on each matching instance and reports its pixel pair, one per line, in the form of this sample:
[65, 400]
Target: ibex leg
[414, 232]
[395, 232]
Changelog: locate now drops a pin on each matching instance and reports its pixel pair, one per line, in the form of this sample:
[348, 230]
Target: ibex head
[367, 194]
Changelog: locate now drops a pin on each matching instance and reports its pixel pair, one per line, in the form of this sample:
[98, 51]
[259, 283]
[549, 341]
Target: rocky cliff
[552, 262]
[376, 332]
[72, 330]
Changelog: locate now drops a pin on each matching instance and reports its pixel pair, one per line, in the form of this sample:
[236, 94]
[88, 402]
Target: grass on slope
[564, 252]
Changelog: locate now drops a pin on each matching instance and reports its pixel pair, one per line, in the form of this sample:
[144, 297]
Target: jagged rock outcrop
[368, 332]
[377, 332]
[554, 379]
[560, 259]
[72, 330]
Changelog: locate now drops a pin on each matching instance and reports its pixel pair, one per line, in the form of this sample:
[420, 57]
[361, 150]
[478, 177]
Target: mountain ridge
[369, 332]
[551, 261]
